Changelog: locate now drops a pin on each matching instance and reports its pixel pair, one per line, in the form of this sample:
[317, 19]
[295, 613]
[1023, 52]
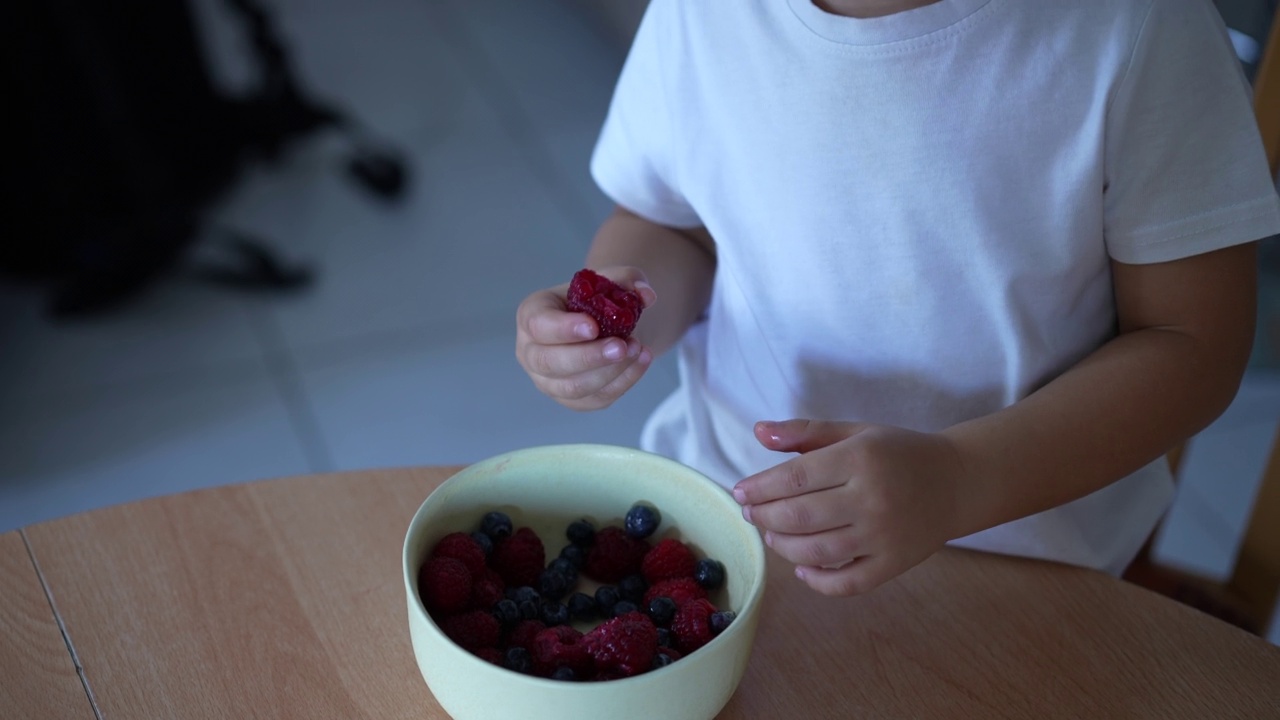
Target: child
[993, 257]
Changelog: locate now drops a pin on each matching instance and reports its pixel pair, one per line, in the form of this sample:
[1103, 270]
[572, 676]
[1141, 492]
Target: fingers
[832, 548]
[804, 514]
[564, 355]
[855, 578]
[789, 479]
[543, 318]
[606, 395]
[804, 435]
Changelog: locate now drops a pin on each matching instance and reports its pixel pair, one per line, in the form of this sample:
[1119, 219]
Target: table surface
[285, 598]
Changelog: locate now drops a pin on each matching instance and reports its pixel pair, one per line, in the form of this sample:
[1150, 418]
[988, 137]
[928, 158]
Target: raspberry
[561, 646]
[682, 590]
[472, 630]
[623, 646]
[614, 555]
[445, 585]
[668, 559]
[519, 559]
[692, 625]
[524, 633]
[614, 308]
[487, 589]
[461, 546]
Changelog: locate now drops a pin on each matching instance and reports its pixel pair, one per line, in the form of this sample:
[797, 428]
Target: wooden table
[285, 599]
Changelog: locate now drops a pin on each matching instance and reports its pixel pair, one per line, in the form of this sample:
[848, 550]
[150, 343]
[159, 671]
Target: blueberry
[518, 659]
[720, 620]
[522, 593]
[497, 525]
[484, 541]
[574, 554]
[641, 521]
[553, 584]
[606, 597]
[661, 660]
[622, 607]
[582, 607]
[507, 612]
[662, 610]
[581, 533]
[566, 568]
[665, 638]
[530, 609]
[632, 587]
[553, 613]
[709, 573]
[564, 673]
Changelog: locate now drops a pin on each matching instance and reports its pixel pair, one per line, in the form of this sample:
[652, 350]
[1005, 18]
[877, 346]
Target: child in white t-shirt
[993, 257]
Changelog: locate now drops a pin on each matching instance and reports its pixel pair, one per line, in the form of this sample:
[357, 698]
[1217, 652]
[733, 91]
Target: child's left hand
[860, 505]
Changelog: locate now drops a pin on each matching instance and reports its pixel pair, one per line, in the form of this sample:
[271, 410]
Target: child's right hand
[561, 353]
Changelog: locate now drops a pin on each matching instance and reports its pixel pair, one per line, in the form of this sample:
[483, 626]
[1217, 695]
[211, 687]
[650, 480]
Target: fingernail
[642, 285]
[633, 348]
[746, 513]
[767, 428]
[583, 330]
[800, 572]
[740, 495]
[645, 357]
[768, 538]
[615, 351]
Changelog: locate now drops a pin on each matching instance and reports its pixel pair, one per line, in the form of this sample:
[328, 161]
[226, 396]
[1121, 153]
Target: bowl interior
[547, 488]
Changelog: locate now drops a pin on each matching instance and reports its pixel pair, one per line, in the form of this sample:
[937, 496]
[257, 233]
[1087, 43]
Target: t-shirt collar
[900, 26]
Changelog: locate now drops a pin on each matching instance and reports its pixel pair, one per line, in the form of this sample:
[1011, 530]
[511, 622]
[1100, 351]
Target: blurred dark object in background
[121, 142]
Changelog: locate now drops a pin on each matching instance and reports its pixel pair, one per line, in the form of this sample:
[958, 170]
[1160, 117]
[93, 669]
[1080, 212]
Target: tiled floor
[402, 354]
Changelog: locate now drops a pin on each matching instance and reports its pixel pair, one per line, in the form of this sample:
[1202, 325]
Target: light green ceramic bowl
[546, 488]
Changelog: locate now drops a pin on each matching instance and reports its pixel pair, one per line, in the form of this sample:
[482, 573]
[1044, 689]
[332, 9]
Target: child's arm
[863, 503]
[560, 350]
[1186, 329]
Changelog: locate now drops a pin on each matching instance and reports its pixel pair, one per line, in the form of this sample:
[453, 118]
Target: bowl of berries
[582, 581]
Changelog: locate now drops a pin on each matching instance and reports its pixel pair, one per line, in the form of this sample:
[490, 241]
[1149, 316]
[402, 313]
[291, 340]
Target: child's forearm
[679, 264]
[1123, 406]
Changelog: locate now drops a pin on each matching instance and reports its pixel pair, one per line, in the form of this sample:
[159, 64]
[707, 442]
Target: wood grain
[977, 636]
[37, 676]
[277, 600]
[285, 599]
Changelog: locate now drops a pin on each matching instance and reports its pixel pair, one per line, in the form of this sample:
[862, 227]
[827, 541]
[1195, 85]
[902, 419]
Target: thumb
[802, 436]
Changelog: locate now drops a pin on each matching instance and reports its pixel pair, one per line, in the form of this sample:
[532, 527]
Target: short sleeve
[634, 161]
[1186, 170]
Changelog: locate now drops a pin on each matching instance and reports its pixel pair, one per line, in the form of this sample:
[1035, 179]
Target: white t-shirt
[914, 215]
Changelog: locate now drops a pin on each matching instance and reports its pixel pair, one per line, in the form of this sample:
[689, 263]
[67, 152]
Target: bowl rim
[754, 593]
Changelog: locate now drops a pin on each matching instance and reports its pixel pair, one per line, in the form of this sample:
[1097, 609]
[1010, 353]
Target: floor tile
[552, 74]
[66, 457]
[177, 328]
[416, 402]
